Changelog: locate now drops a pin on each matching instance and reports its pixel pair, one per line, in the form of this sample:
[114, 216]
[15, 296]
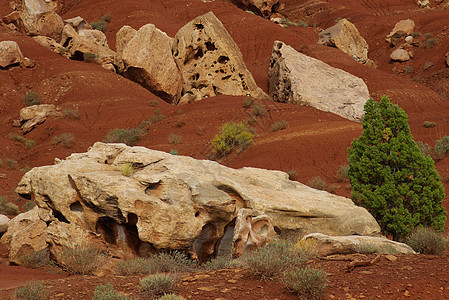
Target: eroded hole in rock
[197, 214]
[224, 245]
[226, 77]
[107, 227]
[223, 59]
[67, 42]
[215, 89]
[195, 76]
[242, 77]
[56, 213]
[205, 243]
[210, 47]
[152, 187]
[199, 53]
[132, 219]
[76, 207]
[125, 236]
[25, 196]
[78, 55]
[199, 26]
[239, 202]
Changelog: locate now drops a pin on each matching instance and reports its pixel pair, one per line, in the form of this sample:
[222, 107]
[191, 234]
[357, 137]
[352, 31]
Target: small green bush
[303, 24]
[102, 23]
[153, 103]
[8, 208]
[248, 102]
[157, 285]
[36, 260]
[216, 263]
[292, 175]
[107, 292]
[232, 135]
[428, 124]
[25, 169]
[128, 136]
[81, 259]
[66, 140]
[31, 98]
[90, 57]
[430, 43]
[427, 241]
[416, 34]
[441, 147]
[174, 152]
[11, 163]
[306, 283]
[26, 142]
[32, 290]
[138, 265]
[157, 116]
[258, 110]
[428, 35]
[286, 22]
[174, 139]
[276, 126]
[342, 173]
[29, 205]
[271, 261]
[320, 184]
[370, 248]
[71, 114]
[127, 169]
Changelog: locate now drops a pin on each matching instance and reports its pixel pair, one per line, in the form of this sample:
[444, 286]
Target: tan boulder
[4, 223]
[405, 26]
[210, 61]
[38, 18]
[325, 245]
[345, 36]
[50, 44]
[400, 55]
[298, 78]
[263, 7]
[177, 202]
[123, 36]
[10, 54]
[31, 116]
[27, 232]
[147, 59]
[78, 24]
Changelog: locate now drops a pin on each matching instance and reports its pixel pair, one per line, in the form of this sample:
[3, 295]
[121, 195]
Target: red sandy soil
[313, 144]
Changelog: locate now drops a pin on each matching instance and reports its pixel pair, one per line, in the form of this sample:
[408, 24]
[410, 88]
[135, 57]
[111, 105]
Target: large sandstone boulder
[147, 59]
[400, 55]
[122, 38]
[50, 44]
[345, 36]
[210, 61]
[262, 7]
[31, 116]
[325, 245]
[36, 17]
[407, 27]
[78, 24]
[4, 223]
[176, 202]
[298, 78]
[10, 54]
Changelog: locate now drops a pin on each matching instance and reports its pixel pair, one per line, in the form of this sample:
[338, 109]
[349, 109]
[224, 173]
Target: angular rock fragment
[10, 54]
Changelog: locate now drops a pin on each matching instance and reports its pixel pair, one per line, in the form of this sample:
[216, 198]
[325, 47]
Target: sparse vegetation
[248, 102]
[258, 110]
[8, 208]
[153, 103]
[26, 142]
[303, 24]
[292, 175]
[408, 70]
[128, 136]
[174, 152]
[342, 173]
[29, 205]
[427, 241]
[424, 148]
[428, 124]
[216, 263]
[370, 248]
[306, 283]
[71, 114]
[31, 98]
[441, 148]
[32, 290]
[127, 169]
[11, 163]
[66, 140]
[102, 23]
[81, 259]
[428, 35]
[107, 292]
[286, 23]
[36, 260]
[157, 116]
[232, 135]
[271, 261]
[158, 285]
[174, 139]
[430, 43]
[276, 126]
[90, 57]
[320, 184]
[416, 34]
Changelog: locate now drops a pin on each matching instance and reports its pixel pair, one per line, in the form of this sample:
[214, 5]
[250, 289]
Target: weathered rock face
[298, 78]
[328, 245]
[50, 44]
[405, 26]
[210, 61]
[78, 24]
[10, 54]
[345, 36]
[147, 59]
[4, 223]
[176, 202]
[38, 18]
[87, 41]
[122, 38]
[263, 7]
[31, 116]
[400, 55]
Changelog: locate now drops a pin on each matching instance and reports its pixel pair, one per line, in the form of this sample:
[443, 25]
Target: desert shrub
[180, 123]
[170, 297]
[102, 23]
[157, 116]
[427, 241]
[306, 283]
[65, 140]
[276, 126]
[303, 24]
[174, 152]
[32, 290]
[430, 43]
[424, 148]
[157, 285]
[107, 292]
[428, 124]
[81, 259]
[127, 169]
[320, 184]
[25, 169]
[390, 176]
[308, 247]
[174, 139]
[371, 248]
[71, 114]
[342, 173]
[90, 57]
[36, 260]
[286, 22]
[128, 136]
[270, 261]
[153, 103]
[8, 208]
[258, 110]
[216, 263]
[248, 102]
[408, 70]
[29, 205]
[292, 175]
[428, 35]
[11, 163]
[416, 34]
[232, 135]
[26, 142]
[138, 265]
[441, 147]
[31, 98]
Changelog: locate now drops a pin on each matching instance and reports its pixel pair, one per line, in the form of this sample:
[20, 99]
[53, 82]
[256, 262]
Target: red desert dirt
[313, 144]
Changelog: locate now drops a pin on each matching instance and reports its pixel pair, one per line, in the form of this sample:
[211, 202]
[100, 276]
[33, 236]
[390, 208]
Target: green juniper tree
[390, 176]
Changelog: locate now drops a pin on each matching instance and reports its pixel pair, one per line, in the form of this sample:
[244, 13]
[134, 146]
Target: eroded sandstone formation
[172, 202]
